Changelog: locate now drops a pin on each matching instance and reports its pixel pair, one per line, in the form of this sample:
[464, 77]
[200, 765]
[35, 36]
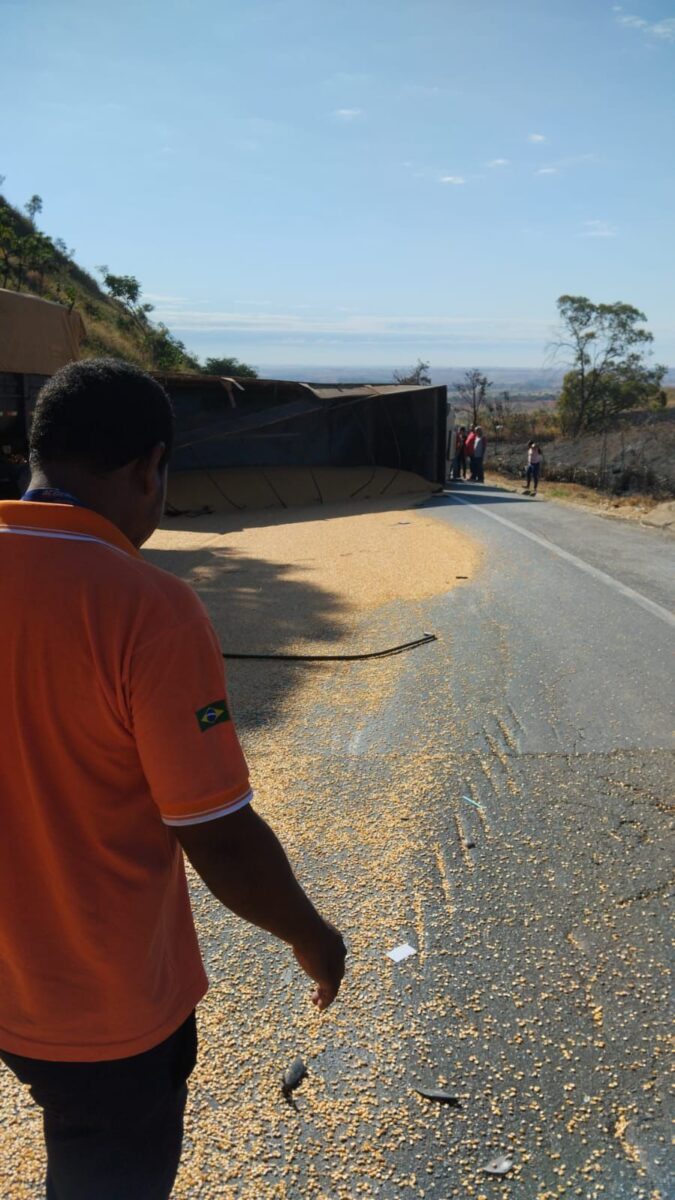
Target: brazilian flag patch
[212, 715]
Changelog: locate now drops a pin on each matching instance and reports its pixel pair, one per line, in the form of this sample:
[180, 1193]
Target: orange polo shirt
[114, 727]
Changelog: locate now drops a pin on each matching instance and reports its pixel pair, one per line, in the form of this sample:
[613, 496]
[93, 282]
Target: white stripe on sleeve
[223, 810]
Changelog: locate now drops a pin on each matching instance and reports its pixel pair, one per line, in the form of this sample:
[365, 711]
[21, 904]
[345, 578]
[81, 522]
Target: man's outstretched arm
[244, 865]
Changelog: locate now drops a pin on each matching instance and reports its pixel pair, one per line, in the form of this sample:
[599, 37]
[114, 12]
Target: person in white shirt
[534, 460]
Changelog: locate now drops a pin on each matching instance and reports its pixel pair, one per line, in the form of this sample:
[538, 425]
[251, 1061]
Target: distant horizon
[409, 366]
[536, 378]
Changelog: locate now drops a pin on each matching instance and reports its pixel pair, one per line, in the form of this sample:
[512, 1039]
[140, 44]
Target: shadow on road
[226, 521]
[477, 493]
[257, 609]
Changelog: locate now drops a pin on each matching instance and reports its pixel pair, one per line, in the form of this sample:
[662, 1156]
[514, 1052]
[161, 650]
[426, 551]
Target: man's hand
[243, 864]
[323, 959]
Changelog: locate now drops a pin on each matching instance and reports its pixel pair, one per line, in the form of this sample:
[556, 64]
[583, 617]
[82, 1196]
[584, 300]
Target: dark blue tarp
[279, 423]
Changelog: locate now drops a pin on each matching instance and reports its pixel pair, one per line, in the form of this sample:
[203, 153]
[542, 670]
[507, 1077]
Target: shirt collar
[64, 518]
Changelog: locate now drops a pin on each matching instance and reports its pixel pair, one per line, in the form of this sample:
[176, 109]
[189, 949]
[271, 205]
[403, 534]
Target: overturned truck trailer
[240, 443]
[256, 442]
[36, 338]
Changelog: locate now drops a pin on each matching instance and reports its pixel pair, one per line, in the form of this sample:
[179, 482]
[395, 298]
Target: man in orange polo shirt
[117, 753]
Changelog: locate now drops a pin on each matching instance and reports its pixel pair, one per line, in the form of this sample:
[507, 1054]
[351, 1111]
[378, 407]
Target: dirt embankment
[636, 456]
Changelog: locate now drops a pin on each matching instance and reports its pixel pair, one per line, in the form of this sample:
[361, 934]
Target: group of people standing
[469, 455]
[469, 449]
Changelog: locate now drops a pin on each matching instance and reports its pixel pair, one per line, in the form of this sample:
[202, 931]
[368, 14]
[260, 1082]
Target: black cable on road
[422, 641]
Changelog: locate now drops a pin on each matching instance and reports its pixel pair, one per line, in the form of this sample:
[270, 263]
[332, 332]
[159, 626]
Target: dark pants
[113, 1130]
[532, 474]
[477, 469]
[459, 466]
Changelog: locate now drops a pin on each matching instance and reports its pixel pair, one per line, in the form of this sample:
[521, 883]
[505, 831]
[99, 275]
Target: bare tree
[500, 412]
[472, 391]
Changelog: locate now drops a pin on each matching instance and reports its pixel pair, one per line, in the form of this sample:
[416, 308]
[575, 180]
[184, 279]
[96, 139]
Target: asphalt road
[516, 776]
[501, 800]
[559, 691]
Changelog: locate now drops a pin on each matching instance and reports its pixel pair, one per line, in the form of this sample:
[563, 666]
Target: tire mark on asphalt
[461, 841]
[443, 872]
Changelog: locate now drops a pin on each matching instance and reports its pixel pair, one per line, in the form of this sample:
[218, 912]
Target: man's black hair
[101, 413]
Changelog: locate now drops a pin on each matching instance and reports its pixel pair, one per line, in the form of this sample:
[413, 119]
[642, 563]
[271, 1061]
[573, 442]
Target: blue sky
[353, 181]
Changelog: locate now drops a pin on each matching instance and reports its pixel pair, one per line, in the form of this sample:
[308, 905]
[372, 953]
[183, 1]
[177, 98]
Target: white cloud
[423, 89]
[564, 164]
[536, 137]
[160, 299]
[663, 30]
[574, 160]
[348, 114]
[598, 229]
[453, 179]
[266, 326]
[498, 162]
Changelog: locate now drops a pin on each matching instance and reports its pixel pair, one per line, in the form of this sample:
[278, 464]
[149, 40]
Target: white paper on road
[401, 952]
[501, 1165]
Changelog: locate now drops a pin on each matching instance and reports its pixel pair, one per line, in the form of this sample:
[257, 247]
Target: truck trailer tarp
[224, 423]
[36, 336]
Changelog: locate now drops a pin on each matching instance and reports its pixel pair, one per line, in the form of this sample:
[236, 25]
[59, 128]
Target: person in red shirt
[468, 448]
[118, 754]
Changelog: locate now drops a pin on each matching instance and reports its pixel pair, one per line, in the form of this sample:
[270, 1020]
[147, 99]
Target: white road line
[649, 605]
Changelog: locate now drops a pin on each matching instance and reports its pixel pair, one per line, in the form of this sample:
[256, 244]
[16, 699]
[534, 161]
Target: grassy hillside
[32, 262]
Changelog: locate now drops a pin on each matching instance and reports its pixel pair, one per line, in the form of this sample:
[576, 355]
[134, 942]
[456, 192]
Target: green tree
[9, 245]
[472, 392]
[124, 288]
[40, 255]
[631, 384]
[231, 367]
[63, 250]
[417, 377]
[168, 352]
[33, 207]
[605, 347]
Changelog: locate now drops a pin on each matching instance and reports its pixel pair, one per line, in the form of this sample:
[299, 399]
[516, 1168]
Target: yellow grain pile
[352, 579]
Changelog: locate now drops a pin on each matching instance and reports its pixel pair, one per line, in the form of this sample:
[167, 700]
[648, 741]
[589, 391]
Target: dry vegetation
[32, 262]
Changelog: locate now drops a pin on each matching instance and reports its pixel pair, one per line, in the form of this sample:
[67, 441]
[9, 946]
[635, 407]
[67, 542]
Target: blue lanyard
[51, 495]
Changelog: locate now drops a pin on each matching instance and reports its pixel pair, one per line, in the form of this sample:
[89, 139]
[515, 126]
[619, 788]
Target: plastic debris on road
[400, 952]
[500, 1165]
[293, 1076]
[439, 1095]
[470, 801]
